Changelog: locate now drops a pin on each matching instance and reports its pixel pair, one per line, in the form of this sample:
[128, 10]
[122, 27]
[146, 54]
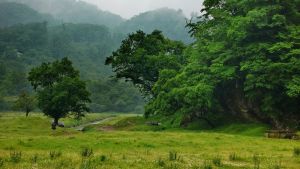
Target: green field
[124, 141]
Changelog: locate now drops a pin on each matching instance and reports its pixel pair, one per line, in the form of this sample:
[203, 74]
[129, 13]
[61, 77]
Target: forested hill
[14, 13]
[73, 11]
[171, 22]
[34, 31]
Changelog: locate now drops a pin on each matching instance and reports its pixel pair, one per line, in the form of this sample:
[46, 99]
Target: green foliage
[25, 102]
[244, 65]
[59, 89]
[141, 57]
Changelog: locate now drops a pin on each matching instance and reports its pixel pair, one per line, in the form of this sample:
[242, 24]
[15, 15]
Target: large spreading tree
[245, 64]
[142, 56]
[59, 90]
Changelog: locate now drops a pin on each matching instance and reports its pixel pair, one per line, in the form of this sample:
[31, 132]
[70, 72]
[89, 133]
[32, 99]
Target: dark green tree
[141, 56]
[25, 102]
[59, 90]
[244, 64]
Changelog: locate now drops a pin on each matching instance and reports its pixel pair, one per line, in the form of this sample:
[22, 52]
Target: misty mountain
[14, 13]
[171, 22]
[73, 11]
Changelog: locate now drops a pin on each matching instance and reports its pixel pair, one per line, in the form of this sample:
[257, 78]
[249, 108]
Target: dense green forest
[244, 66]
[33, 32]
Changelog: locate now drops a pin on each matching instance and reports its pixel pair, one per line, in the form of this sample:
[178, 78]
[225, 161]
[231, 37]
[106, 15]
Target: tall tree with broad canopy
[141, 56]
[245, 63]
[59, 90]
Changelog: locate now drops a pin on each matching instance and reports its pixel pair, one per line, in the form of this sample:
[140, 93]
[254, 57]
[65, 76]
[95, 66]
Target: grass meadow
[126, 142]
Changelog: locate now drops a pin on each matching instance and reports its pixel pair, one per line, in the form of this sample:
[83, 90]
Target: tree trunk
[55, 123]
[27, 113]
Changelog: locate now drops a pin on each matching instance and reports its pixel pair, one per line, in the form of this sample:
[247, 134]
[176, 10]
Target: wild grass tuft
[15, 156]
[296, 151]
[34, 158]
[217, 160]
[161, 162]
[1, 162]
[206, 165]
[173, 155]
[87, 152]
[54, 154]
[234, 156]
[256, 161]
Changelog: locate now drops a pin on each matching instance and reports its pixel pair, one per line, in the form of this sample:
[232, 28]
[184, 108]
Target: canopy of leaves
[245, 64]
[60, 91]
[141, 56]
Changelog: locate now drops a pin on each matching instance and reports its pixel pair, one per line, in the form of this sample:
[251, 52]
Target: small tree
[25, 102]
[59, 90]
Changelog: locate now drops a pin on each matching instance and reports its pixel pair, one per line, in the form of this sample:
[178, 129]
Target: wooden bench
[284, 134]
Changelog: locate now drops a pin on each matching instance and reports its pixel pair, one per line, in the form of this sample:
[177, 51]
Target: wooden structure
[284, 134]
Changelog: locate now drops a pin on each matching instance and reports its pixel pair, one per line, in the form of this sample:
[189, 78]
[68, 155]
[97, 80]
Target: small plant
[87, 152]
[206, 165]
[217, 161]
[233, 156]
[173, 155]
[1, 162]
[161, 162]
[34, 158]
[54, 154]
[15, 156]
[103, 158]
[296, 151]
[256, 161]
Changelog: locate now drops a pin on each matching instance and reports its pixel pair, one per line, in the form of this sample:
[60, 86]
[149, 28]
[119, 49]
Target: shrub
[15, 156]
[173, 155]
[217, 161]
[296, 151]
[103, 158]
[54, 154]
[87, 152]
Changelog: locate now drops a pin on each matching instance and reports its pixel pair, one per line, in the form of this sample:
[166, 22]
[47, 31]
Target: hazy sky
[129, 8]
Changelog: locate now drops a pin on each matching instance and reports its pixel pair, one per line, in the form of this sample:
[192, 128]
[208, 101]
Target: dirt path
[83, 126]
